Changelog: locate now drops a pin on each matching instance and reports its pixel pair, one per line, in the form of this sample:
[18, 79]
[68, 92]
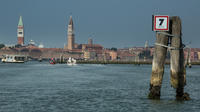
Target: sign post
[160, 23]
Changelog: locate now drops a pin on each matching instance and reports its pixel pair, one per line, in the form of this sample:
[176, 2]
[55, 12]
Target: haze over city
[111, 23]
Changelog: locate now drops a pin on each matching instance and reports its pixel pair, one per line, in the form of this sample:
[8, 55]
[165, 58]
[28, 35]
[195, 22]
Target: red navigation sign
[160, 23]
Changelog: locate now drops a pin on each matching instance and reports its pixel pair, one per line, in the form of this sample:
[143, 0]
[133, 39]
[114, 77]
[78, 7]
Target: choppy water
[41, 87]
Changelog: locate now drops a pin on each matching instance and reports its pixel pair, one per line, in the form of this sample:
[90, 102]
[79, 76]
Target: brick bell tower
[70, 39]
[20, 32]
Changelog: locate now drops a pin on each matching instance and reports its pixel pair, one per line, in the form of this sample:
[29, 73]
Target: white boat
[71, 61]
[13, 59]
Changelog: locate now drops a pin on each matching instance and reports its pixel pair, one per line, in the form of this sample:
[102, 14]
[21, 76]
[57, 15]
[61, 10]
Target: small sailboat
[71, 61]
[189, 63]
[188, 59]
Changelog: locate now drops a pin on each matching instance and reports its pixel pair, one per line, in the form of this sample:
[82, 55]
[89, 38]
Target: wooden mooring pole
[158, 66]
[177, 67]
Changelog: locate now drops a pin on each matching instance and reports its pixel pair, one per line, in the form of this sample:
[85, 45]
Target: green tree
[18, 46]
[113, 49]
[146, 53]
[2, 45]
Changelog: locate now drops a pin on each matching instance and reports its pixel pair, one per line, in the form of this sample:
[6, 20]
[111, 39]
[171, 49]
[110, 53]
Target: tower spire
[71, 21]
[20, 21]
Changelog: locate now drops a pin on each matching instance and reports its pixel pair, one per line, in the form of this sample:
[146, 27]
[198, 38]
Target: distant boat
[189, 63]
[40, 59]
[52, 61]
[71, 61]
[13, 59]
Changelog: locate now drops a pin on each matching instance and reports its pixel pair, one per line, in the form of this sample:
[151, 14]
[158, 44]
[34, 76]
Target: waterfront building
[195, 55]
[89, 55]
[113, 55]
[126, 55]
[198, 55]
[20, 32]
[70, 34]
[90, 47]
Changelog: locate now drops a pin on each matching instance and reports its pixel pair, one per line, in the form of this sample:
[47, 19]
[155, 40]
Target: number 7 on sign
[161, 23]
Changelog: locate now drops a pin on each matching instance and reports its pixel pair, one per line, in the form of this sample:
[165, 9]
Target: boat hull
[71, 64]
[11, 62]
[13, 59]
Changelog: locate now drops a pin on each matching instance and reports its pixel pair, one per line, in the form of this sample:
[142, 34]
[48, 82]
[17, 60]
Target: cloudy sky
[111, 23]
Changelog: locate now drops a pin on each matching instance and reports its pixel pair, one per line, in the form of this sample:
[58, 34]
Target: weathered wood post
[158, 66]
[178, 71]
[177, 59]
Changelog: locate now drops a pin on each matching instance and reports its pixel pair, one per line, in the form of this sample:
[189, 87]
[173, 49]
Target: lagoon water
[41, 87]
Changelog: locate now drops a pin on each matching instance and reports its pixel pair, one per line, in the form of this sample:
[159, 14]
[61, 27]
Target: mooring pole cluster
[173, 38]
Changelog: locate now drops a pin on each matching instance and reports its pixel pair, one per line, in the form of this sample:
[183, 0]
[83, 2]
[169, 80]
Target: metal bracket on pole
[162, 45]
[170, 35]
[169, 47]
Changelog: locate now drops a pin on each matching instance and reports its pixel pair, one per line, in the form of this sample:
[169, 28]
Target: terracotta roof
[125, 53]
[93, 45]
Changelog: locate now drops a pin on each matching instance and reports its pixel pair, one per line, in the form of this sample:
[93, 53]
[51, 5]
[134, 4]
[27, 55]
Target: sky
[111, 23]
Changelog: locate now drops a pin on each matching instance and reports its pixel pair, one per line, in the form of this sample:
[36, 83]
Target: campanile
[20, 32]
[70, 39]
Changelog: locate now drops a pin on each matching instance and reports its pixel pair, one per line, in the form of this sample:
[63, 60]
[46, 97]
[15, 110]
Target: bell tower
[71, 39]
[20, 32]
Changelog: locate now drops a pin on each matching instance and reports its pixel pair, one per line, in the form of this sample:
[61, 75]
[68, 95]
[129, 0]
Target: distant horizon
[113, 23]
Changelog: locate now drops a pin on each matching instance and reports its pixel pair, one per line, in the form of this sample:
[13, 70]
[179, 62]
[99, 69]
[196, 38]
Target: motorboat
[40, 59]
[13, 59]
[71, 61]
